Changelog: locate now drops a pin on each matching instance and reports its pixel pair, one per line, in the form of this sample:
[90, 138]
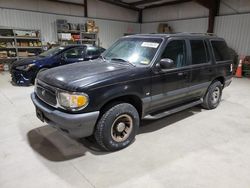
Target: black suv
[139, 77]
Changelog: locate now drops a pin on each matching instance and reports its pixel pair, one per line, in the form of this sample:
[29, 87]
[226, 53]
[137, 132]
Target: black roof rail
[207, 34]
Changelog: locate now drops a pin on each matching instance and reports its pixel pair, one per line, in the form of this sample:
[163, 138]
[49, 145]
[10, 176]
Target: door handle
[180, 73]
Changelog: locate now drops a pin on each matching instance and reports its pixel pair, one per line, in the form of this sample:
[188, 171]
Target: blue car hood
[27, 61]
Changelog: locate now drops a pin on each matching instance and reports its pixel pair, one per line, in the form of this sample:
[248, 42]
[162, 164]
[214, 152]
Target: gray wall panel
[236, 30]
[109, 30]
[190, 25]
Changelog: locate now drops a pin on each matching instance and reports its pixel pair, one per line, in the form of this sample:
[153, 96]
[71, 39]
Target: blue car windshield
[137, 51]
[52, 51]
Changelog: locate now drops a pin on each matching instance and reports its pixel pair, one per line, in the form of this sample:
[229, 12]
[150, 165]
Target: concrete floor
[193, 148]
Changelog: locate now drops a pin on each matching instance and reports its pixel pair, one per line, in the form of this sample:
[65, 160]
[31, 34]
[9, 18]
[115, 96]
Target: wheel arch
[221, 79]
[128, 98]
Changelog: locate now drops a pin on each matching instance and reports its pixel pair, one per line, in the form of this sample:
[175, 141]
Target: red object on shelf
[76, 37]
[1, 67]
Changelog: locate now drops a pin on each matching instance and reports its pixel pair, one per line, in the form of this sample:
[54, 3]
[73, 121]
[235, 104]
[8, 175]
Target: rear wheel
[213, 96]
[117, 127]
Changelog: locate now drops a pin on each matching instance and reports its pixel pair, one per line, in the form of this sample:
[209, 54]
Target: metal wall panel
[175, 12]
[234, 7]
[191, 25]
[109, 30]
[99, 9]
[235, 29]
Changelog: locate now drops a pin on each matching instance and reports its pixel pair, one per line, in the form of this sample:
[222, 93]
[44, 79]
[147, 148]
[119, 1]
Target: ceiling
[146, 3]
[132, 4]
[142, 4]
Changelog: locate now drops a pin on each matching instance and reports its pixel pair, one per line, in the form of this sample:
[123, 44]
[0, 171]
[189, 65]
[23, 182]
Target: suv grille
[46, 93]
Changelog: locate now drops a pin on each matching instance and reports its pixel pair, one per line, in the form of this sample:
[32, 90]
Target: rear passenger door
[202, 70]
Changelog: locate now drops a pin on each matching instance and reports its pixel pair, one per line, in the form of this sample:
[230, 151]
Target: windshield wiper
[123, 60]
[103, 58]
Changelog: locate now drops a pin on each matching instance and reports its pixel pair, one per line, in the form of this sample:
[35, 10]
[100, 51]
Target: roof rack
[207, 34]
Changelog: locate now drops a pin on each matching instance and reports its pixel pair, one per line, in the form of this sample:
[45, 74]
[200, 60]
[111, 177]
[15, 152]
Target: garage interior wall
[232, 23]
[42, 14]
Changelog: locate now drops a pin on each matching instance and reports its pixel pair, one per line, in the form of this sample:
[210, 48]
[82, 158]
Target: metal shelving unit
[83, 36]
[15, 41]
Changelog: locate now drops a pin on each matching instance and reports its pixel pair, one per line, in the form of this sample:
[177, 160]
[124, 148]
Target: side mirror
[166, 63]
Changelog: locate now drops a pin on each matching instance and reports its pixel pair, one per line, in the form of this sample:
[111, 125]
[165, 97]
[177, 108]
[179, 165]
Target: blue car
[24, 71]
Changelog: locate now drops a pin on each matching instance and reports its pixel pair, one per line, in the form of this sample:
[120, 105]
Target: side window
[73, 53]
[220, 49]
[199, 54]
[92, 51]
[176, 50]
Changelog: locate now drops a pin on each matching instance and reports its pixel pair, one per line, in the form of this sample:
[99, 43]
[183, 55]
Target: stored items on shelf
[71, 33]
[18, 43]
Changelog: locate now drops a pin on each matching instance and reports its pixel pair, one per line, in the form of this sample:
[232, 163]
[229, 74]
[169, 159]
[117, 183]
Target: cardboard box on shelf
[23, 54]
[90, 29]
[90, 23]
[24, 44]
[96, 29]
[64, 36]
[3, 54]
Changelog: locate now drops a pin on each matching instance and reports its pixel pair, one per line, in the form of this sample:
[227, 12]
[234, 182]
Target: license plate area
[40, 115]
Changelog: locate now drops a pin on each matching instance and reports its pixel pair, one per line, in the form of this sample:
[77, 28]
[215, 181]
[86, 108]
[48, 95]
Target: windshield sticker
[145, 62]
[150, 44]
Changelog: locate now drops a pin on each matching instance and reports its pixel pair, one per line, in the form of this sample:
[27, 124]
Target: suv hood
[83, 74]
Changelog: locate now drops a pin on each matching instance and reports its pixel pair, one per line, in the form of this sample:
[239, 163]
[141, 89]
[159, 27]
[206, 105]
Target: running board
[172, 111]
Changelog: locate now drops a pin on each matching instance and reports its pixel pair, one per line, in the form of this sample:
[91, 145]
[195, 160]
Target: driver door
[170, 86]
[72, 55]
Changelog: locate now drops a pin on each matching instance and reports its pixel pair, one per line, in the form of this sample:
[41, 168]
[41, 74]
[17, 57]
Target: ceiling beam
[142, 2]
[85, 8]
[120, 4]
[167, 3]
[213, 7]
[66, 2]
[205, 3]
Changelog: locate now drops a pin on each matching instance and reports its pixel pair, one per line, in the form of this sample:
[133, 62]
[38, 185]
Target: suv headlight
[72, 101]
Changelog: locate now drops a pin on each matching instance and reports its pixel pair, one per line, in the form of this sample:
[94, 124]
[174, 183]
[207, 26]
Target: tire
[117, 127]
[213, 96]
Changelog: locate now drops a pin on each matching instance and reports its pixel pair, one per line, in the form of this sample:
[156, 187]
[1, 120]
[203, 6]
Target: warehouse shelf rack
[83, 37]
[17, 43]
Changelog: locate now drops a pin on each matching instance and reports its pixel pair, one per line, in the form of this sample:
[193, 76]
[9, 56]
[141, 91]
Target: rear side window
[220, 49]
[199, 54]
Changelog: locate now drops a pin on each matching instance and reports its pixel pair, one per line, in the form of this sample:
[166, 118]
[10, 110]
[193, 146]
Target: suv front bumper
[75, 125]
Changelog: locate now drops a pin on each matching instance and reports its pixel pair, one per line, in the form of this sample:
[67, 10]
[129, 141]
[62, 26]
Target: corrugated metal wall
[174, 12]
[190, 25]
[110, 31]
[236, 30]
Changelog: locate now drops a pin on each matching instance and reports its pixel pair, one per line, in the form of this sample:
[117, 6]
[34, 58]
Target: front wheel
[117, 127]
[213, 96]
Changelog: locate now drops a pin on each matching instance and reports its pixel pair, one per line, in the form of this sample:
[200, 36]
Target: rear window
[220, 49]
[199, 54]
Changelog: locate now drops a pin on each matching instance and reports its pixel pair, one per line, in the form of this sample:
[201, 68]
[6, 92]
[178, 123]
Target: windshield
[52, 51]
[138, 51]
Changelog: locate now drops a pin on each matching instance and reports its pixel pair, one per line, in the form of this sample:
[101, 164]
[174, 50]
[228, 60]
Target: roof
[167, 35]
[76, 45]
